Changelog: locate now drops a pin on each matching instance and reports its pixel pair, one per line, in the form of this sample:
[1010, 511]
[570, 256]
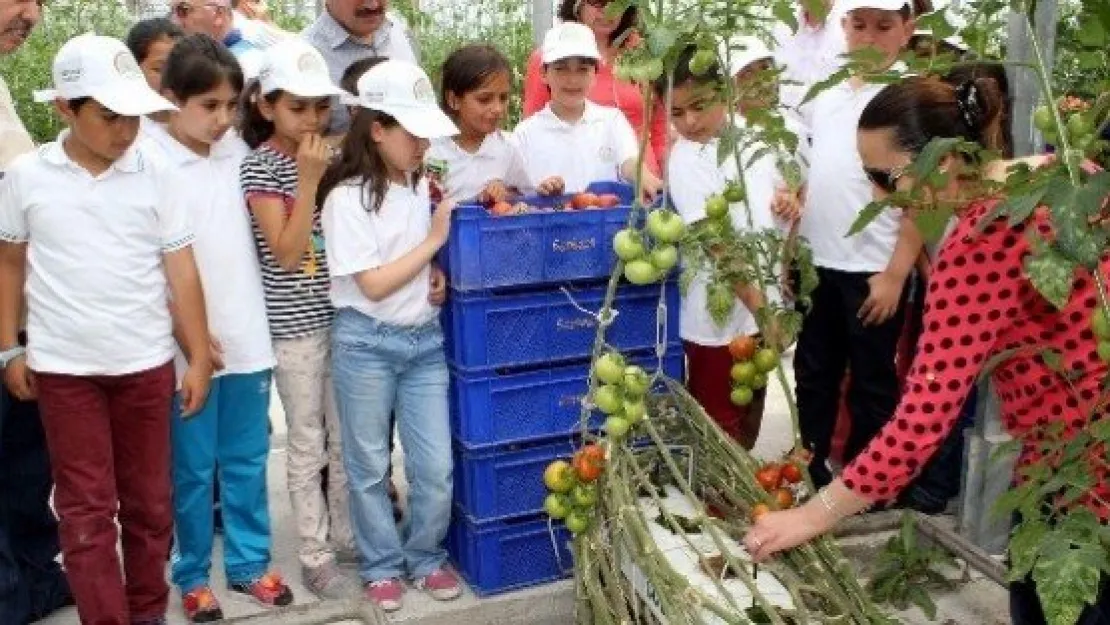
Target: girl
[204, 81]
[481, 163]
[981, 263]
[387, 344]
[285, 115]
[151, 41]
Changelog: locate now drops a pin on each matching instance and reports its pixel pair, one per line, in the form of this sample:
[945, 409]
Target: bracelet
[826, 500]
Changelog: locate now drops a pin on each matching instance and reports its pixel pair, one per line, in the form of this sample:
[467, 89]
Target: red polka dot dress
[980, 304]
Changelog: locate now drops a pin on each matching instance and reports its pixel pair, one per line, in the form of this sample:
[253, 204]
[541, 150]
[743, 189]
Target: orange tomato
[758, 510]
[783, 498]
[608, 200]
[501, 209]
[589, 463]
[585, 200]
[769, 477]
[792, 473]
[742, 347]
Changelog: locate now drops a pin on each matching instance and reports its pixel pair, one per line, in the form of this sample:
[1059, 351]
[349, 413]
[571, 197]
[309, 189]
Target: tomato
[501, 209]
[759, 510]
[769, 477]
[610, 368]
[742, 347]
[1104, 350]
[743, 373]
[584, 496]
[766, 360]
[628, 244]
[594, 452]
[641, 272]
[585, 200]
[578, 522]
[634, 411]
[792, 473]
[588, 463]
[734, 193]
[702, 61]
[557, 506]
[741, 396]
[665, 226]
[1080, 127]
[664, 257]
[1044, 120]
[716, 207]
[759, 381]
[1100, 325]
[636, 381]
[783, 498]
[608, 200]
[559, 477]
[608, 398]
[617, 428]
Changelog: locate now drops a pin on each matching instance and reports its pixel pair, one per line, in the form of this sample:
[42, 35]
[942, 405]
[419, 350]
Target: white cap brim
[426, 123]
[307, 90]
[126, 102]
[560, 55]
[882, 5]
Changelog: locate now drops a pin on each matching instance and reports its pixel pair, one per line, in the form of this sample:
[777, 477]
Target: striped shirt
[297, 302]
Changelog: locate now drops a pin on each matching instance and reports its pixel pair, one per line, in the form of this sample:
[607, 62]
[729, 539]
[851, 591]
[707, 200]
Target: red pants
[109, 441]
[708, 378]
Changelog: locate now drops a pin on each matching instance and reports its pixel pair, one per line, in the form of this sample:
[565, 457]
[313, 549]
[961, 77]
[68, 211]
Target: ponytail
[254, 128]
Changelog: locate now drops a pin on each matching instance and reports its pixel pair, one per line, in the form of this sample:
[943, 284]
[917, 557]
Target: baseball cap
[569, 40]
[102, 68]
[402, 90]
[297, 68]
[742, 51]
[845, 6]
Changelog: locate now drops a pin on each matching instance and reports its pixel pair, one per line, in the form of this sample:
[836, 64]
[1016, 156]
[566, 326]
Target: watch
[9, 355]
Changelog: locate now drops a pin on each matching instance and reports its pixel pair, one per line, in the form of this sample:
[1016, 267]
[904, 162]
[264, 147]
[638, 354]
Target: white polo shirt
[226, 257]
[589, 150]
[360, 239]
[463, 175]
[837, 189]
[806, 58]
[96, 288]
[694, 175]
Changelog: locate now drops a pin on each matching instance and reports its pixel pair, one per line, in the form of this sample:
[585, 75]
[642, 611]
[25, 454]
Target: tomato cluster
[750, 369]
[621, 394]
[779, 480]
[1078, 120]
[573, 489]
[578, 201]
[644, 265]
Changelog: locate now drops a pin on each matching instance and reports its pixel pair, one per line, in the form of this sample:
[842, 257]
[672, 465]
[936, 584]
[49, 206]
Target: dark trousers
[833, 338]
[31, 583]
[109, 440]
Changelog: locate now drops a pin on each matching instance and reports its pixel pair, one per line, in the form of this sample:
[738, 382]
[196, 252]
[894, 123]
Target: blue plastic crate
[505, 555]
[489, 408]
[506, 480]
[485, 331]
[486, 252]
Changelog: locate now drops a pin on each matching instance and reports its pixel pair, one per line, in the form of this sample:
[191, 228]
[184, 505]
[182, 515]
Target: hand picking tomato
[769, 477]
[759, 510]
[791, 473]
[742, 347]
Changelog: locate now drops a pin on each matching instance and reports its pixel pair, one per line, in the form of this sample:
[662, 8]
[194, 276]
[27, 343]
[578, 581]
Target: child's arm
[13, 274]
[381, 282]
[651, 183]
[289, 237]
[886, 286]
[192, 322]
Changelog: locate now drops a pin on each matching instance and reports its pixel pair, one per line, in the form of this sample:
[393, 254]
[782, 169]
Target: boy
[807, 56]
[573, 142]
[700, 116]
[89, 231]
[858, 307]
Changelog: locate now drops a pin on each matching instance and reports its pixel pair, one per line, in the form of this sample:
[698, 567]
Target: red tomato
[589, 462]
[742, 347]
[608, 200]
[769, 477]
[792, 473]
[585, 200]
[501, 209]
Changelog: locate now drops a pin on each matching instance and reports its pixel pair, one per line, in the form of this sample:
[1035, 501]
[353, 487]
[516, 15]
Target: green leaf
[1052, 275]
[1025, 543]
[933, 223]
[839, 76]
[908, 533]
[784, 12]
[920, 597]
[660, 40]
[867, 215]
[1092, 34]
[1066, 584]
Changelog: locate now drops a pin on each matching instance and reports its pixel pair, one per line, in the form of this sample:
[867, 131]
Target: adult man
[349, 30]
[215, 19]
[31, 583]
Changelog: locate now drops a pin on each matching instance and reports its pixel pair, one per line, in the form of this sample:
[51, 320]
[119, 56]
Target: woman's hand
[496, 191]
[779, 531]
[786, 205]
[882, 302]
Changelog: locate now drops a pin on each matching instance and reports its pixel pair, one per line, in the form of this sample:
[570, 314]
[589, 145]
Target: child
[700, 116]
[151, 41]
[94, 231]
[204, 81]
[482, 163]
[286, 114]
[387, 344]
[809, 55]
[857, 309]
[572, 142]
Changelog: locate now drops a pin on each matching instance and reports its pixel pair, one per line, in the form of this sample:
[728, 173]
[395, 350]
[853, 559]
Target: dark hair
[921, 7]
[996, 72]
[197, 64]
[76, 104]
[906, 12]
[146, 33]
[568, 12]
[923, 108]
[354, 71]
[683, 75]
[467, 69]
[255, 129]
[359, 158]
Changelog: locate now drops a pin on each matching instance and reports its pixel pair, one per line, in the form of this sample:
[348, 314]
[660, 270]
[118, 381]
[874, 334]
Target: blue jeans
[379, 368]
[232, 430]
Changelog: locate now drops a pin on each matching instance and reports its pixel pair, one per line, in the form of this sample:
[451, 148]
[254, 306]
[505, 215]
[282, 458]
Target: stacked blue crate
[518, 347]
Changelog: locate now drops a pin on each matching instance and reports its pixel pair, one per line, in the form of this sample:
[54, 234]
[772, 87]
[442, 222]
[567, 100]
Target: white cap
[296, 67]
[569, 40]
[102, 68]
[742, 51]
[402, 91]
[957, 22]
[845, 6]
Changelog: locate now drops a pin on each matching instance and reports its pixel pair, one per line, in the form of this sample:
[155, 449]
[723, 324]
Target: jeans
[232, 430]
[379, 368]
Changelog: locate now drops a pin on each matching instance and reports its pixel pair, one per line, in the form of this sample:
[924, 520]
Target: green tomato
[741, 396]
[1079, 127]
[759, 381]
[716, 207]
[641, 272]
[652, 70]
[633, 411]
[702, 61]
[1100, 325]
[766, 360]
[557, 506]
[734, 193]
[578, 522]
[664, 257]
[1044, 120]
[1104, 350]
[744, 372]
[628, 244]
[617, 428]
[610, 368]
[608, 398]
[665, 226]
[584, 496]
[636, 381]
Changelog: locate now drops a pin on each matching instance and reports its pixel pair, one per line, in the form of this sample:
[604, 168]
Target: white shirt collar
[591, 113]
[178, 154]
[55, 154]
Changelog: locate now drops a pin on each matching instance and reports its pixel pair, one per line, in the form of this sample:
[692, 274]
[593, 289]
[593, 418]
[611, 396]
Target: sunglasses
[219, 10]
[886, 179]
[598, 4]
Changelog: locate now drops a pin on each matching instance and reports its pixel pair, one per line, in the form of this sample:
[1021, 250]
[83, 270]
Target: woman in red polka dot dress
[979, 303]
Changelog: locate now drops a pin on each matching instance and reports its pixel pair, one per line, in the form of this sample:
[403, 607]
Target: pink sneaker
[386, 593]
[441, 584]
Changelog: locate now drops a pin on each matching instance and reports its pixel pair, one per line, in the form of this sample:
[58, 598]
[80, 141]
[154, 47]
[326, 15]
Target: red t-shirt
[607, 91]
[979, 304]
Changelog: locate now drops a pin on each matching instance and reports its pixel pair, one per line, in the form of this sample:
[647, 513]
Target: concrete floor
[979, 602]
